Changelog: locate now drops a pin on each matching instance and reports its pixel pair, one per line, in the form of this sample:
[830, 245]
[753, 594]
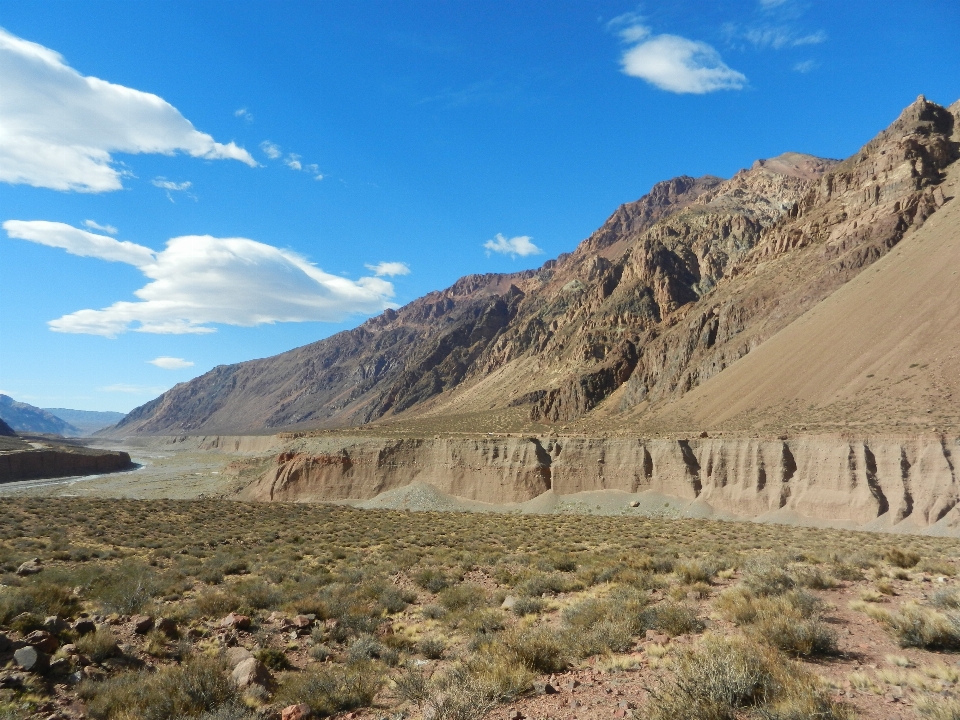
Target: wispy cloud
[170, 363]
[521, 245]
[767, 4]
[61, 127]
[198, 280]
[292, 160]
[244, 114]
[171, 187]
[806, 66]
[93, 225]
[775, 38]
[670, 62]
[271, 150]
[389, 269]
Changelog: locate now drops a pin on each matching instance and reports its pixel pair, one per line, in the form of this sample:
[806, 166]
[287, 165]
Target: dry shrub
[937, 566]
[199, 685]
[38, 598]
[671, 618]
[920, 627]
[99, 645]
[723, 676]
[539, 647]
[790, 622]
[900, 558]
[938, 708]
[330, 690]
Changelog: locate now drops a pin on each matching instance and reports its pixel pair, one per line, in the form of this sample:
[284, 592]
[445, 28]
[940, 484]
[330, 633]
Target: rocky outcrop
[36, 464]
[909, 481]
[669, 292]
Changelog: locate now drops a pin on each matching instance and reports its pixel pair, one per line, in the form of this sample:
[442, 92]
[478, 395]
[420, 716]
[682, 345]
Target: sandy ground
[161, 473]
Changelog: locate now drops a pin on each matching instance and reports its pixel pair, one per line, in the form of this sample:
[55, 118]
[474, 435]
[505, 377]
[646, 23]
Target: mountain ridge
[670, 291]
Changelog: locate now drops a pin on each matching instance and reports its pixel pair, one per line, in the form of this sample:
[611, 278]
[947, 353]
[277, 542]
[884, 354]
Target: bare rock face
[883, 482]
[669, 292]
[59, 461]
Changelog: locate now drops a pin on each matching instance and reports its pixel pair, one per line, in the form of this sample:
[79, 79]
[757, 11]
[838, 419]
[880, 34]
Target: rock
[251, 672]
[31, 659]
[634, 503]
[516, 715]
[542, 687]
[84, 626]
[30, 567]
[42, 641]
[302, 622]
[60, 666]
[69, 649]
[296, 712]
[236, 655]
[168, 627]
[142, 624]
[235, 622]
[5, 643]
[509, 602]
[55, 624]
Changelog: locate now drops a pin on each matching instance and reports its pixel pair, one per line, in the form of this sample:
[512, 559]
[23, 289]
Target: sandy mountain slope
[885, 346]
[668, 293]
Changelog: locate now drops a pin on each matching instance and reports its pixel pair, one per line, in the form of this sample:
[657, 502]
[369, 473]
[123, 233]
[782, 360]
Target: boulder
[142, 624]
[5, 643]
[236, 655]
[296, 712]
[42, 641]
[236, 622]
[30, 567]
[31, 659]
[251, 672]
[302, 622]
[55, 624]
[84, 626]
[509, 602]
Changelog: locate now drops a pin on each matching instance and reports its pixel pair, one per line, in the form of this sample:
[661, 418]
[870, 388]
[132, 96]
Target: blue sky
[310, 163]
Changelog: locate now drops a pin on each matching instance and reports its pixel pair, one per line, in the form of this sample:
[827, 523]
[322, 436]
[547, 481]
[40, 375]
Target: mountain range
[802, 293]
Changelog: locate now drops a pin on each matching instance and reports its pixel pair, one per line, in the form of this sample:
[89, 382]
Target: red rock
[142, 624]
[235, 621]
[296, 712]
[168, 627]
[42, 641]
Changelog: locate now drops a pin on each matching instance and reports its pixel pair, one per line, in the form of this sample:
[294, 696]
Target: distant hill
[87, 421]
[6, 430]
[23, 417]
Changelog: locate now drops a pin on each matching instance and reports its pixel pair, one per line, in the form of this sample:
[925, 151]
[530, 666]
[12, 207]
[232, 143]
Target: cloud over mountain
[198, 280]
[58, 128]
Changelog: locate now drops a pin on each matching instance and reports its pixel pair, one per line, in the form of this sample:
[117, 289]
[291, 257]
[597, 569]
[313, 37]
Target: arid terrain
[230, 610]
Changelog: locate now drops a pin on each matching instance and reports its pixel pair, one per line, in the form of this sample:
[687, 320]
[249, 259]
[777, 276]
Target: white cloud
[806, 66]
[244, 113]
[780, 37]
[162, 182]
[58, 128]
[679, 65]
[170, 363]
[293, 162]
[271, 150]
[198, 280]
[80, 242]
[514, 246]
[93, 225]
[389, 269]
[767, 4]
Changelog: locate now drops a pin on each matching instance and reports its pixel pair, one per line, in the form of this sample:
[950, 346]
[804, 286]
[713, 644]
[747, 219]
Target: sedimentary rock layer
[880, 481]
[50, 463]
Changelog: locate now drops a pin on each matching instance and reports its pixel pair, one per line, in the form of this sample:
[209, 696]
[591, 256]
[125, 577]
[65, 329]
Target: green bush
[39, 598]
[539, 647]
[99, 645]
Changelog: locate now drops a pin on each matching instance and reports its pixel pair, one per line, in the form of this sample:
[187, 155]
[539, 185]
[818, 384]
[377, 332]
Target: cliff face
[34, 464]
[908, 481]
[669, 292]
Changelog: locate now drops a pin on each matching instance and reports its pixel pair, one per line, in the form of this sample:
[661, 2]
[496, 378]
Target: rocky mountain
[87, 422]
[6, 430]
[670, 292]
[23, 417]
